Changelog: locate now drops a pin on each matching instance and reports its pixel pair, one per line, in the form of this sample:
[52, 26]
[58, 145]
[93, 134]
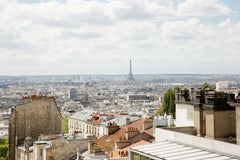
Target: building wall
[53, 150]
[198, 120]
[85, 127]
[137, 97]
[210, 123]
[72, 93]
[220, 123]
[225, 123]
[221, 85]
[38, 116]
[184, 115]
[21, 154]
[39, 151]
[238, 124]
[64, 149]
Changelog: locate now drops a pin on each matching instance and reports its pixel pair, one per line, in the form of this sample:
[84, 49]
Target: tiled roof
[137, 124]
[103, 141]
[115, 153]
[110, 139]
[96, 121]
[149, 131]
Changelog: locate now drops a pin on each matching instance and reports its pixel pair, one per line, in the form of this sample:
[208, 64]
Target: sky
[66, 37]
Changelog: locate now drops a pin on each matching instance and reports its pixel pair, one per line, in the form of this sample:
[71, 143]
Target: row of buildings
[35, 132]
[207, 127]
[206, 120]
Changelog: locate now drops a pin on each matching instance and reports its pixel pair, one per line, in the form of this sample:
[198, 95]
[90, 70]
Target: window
[143, 157]
[41, 152]
[135, 156]
[18, 153]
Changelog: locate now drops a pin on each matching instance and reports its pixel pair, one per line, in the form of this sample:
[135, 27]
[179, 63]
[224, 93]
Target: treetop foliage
[3, 149]
[168, 106]
[206, 85]
[108, 148]
[65, 125]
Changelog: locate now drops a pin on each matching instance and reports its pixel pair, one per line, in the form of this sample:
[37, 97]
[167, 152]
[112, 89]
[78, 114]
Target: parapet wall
[64, 149]
[208, 97]
[28, 99]
[162, 134]
[187, 130]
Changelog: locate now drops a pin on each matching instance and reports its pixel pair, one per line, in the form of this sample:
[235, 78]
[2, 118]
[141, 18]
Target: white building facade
[184, 115]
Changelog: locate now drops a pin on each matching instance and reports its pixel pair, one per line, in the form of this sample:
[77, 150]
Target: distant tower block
[130, 79]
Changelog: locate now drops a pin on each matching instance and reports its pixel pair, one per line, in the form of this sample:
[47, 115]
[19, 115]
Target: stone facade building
[236, 104]
[37, 115]
[208, 111]
[89, 123]
[51, 147]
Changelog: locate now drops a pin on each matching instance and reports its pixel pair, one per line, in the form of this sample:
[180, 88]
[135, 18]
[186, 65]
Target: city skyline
[72, 37]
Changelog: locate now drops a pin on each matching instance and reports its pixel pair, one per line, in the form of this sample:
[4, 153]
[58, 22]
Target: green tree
[108, 148]
[65, 125]
[206, 85]
[177, 88]
[3, 149]
[168, 102]
[158, 111]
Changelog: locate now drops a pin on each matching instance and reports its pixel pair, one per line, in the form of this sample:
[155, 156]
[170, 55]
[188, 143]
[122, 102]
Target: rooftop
[176, 151]
[110, 139]
[83, 115]
[121, 120]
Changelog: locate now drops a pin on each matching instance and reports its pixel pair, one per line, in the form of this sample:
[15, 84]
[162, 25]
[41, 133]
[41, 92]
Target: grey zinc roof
[120, 120]
[83, 115]
[174, 151]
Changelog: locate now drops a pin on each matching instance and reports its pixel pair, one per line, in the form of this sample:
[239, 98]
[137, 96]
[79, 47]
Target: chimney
[91, 141]
[78, 154]
[112, 128]
[28, 142]
[192, 97]
[122, 143]
[131, 132]
[215, 98]
[74, 135]
[148, 123]
[184, 95]
[127, 121]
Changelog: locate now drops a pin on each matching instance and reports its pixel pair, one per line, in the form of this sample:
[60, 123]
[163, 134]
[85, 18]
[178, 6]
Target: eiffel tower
[130, 79]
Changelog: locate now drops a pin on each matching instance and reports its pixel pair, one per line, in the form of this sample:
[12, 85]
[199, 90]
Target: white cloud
[203, 8]
[195, 35]
[225, 23]
[181, 30]
[98, 37]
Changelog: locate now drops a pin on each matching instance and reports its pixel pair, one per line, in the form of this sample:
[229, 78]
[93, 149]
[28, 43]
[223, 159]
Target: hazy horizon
[138, 74]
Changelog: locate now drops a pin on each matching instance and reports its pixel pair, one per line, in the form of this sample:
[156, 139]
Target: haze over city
[64, 37]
